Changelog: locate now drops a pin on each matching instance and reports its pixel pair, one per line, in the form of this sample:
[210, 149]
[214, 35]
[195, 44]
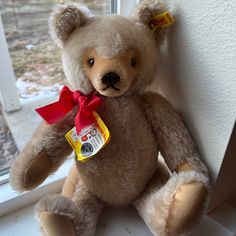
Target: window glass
[36, 60]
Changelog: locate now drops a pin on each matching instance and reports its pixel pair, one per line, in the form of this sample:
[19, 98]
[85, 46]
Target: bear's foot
[59, 215]
[56, 225]
[174, 208]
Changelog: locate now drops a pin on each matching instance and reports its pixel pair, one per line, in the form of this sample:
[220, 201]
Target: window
[8, 150]
[37, 75]
[36, 60]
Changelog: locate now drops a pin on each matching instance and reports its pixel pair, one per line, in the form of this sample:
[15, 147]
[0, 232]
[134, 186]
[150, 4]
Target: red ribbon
[68, 99]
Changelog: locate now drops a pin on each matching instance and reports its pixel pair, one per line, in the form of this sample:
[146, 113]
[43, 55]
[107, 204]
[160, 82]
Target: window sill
[122, 222]
[11, 200]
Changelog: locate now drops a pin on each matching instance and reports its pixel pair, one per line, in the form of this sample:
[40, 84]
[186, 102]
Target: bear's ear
[156, 15]
[64, 19]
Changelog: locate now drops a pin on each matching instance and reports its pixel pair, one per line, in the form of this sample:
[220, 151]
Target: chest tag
[90, 140]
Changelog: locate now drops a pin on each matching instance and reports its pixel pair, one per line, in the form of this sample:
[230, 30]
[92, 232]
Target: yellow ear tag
[163, 20]
[90, 139]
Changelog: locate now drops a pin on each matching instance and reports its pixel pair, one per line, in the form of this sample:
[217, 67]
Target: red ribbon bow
[67, 101]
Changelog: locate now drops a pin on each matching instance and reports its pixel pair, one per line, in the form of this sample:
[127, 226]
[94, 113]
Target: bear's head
[111, 54]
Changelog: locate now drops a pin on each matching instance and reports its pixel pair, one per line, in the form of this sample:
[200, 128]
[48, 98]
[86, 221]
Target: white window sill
[11, 200]
[115, 222]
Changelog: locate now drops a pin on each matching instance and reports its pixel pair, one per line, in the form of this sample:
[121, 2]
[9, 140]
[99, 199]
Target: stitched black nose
[110, 78]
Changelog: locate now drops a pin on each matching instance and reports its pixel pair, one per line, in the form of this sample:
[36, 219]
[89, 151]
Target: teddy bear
[109, 62]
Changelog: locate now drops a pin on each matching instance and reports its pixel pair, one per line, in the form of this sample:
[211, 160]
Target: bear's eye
[133, 62]
[91, 62]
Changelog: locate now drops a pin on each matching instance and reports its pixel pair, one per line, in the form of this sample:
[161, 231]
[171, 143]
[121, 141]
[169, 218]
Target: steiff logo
[86, 149]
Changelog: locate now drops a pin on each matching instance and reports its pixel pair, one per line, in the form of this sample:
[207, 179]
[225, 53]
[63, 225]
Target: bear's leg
[75, 213]
[170, 206]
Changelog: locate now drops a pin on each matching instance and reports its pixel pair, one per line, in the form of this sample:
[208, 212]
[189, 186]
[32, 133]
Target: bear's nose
[110, 78]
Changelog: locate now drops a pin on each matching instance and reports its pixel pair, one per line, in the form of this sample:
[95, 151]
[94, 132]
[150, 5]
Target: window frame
[8, 91]
[113, 5]
[125, 7]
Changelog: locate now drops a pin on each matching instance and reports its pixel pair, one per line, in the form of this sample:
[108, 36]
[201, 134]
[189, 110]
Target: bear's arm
[188, 185]
[42, 155]
[175, 142]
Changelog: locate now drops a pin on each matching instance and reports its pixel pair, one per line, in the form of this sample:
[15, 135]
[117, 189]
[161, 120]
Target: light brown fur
[142, 124]
[119, 64]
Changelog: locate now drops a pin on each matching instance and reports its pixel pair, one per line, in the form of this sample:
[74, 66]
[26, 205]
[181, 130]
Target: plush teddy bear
[109, 61]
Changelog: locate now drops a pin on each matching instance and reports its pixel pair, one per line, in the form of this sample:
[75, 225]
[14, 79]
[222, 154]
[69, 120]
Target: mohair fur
[142, 124]
[145, 11]
[171, 133]
[48, 139]
[156, 202]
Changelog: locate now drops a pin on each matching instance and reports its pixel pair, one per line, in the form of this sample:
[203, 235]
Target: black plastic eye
[133, 62]
[91, 62]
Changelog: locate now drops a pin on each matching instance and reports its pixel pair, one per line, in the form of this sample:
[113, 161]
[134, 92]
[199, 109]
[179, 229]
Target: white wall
[198, 73]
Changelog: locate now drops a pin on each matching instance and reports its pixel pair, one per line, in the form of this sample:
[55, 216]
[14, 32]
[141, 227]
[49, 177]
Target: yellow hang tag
[163, 20]
[90, 139]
